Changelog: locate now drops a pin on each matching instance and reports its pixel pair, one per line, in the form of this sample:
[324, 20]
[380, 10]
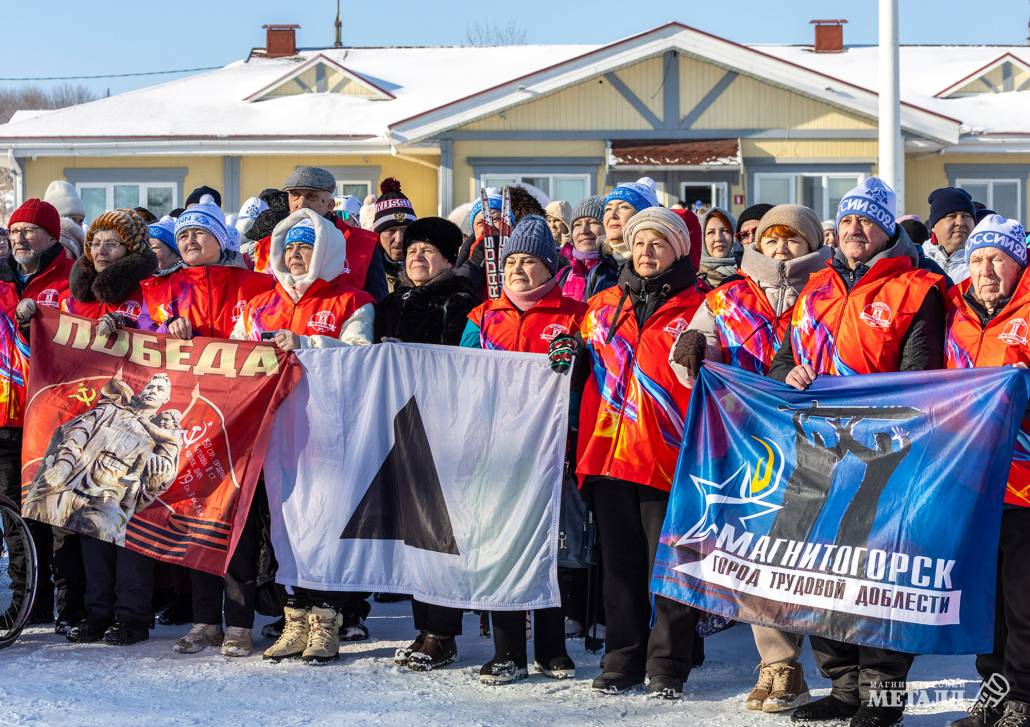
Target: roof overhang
[691, 42]
[675, 155]
[193, 146]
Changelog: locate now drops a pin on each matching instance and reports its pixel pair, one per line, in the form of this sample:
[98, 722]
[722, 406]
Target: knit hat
[755, 212]
[797, 217]
[393, 209]
[915, 228]
[249, 212]
[638, 194]
[129, 225]
[302, 232]
[666, 222]
[197, 196]
[64, 198]
[590, 207]
[310, 178]
[981, 213]
[871, 199]
[996, 231]
[73, 237]
[37, 212]
[561, 210]
[532, 236]
[946, 200]
[493, 199]
[442, 234]
[207, 216]
[164, 230]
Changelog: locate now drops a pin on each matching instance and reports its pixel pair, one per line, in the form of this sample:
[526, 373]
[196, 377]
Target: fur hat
[129, 225]
[442, 234]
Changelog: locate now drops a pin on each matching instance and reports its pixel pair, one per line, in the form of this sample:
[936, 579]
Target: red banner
[147, 441]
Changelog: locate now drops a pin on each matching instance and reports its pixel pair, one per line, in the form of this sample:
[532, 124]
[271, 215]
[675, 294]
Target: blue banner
[865, 509]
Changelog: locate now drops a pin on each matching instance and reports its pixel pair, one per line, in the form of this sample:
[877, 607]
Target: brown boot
[436, 651]
[756, 700]
[789, 689]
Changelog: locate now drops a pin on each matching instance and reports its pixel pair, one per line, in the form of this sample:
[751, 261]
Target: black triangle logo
[405, 501]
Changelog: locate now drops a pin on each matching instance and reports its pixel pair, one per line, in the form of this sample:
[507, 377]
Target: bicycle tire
[15, 527]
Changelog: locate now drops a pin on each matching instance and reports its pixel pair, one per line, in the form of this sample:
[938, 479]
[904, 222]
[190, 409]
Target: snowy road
[44, 680]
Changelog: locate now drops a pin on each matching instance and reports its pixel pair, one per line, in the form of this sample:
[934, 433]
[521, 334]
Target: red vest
[503, 327]
[1004, 340]
[321, 311]
[632, 413]
[861, 331]
[210, 297]
[51, 285]
[361, 246]
[748, 329]
[14, 360]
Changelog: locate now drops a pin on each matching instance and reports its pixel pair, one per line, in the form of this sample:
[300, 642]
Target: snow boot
[613, 682]
[663, 686]
[353, 631]
[293, 638]
[436, 651]
[1016, 714]
[87, 632]
[557, 667]
[323, 636]
[824, 709]
[980, 715]
[237, 642]
[756, 699]
[401, 656]
[868, 716]
[274, 630]
[199, 638]
[789, 689]
[121, 633]
[499, 671]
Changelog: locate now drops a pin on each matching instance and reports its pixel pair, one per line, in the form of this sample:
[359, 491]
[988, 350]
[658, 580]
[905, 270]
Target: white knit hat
[62, 195]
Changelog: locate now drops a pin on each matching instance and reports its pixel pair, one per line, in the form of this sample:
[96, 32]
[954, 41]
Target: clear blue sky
[82, 37]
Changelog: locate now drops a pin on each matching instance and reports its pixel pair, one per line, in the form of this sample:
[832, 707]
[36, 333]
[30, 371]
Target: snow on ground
[44, 680]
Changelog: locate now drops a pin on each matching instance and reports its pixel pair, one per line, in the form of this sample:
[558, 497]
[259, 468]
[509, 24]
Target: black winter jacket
[433, 313]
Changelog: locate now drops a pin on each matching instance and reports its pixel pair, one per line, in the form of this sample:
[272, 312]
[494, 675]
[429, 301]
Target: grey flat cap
[311, 178]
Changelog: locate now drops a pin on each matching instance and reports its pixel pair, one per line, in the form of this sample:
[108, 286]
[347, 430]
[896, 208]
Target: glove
[25, 310]
[689, 351]
[561, 353]
[109, 323]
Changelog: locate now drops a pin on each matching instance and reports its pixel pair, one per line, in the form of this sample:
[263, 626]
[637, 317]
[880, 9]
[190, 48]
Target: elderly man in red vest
[871, 310]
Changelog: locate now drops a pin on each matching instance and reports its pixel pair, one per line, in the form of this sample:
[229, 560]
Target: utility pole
[339, 28]
[892, 148]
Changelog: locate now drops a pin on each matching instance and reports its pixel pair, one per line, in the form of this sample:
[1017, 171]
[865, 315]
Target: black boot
[502, 670]
[179, 612]
[557, 667]
[663, 686]
[824, 709]
[613, 682]
[867, 716]
[980, 714]
[123, 633]
[1016, 714]
[87, 632]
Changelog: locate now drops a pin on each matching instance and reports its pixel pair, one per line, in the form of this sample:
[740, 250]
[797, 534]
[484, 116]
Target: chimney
[829, 36]
[280, 40]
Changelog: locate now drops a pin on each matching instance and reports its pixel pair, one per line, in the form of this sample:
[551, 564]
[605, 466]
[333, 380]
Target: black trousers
[629, 521]
[855, 669]
[1011, 654]
[119, 583]
[509, 630]
[439, 620]
[352, 605]
[575, 595]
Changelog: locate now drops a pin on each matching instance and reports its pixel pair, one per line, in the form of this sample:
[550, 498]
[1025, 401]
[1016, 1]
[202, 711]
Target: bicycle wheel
[17, 575]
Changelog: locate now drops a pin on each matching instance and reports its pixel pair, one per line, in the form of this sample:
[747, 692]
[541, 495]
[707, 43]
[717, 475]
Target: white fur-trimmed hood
[328, 260]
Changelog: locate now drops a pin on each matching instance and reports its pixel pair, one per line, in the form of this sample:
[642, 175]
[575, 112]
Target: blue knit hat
[996, 231]
[533, 237]
[302, 232]
[638, 194]
[495, 202]
[871, 199]
[164, 230]
[207, 216]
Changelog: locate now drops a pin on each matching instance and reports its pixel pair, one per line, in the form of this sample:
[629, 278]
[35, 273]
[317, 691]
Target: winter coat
[588, 276]
[954, 265]
[116, 289]
[320, 306]
[48, 284]
[499, 325]
[432, 313]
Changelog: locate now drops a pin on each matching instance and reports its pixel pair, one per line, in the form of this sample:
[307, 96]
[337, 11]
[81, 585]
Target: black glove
[689, 351]
[562, 352]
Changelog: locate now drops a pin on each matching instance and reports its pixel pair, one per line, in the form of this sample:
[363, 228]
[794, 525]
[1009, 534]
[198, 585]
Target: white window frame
[143, 188]
[794, 177]
[341, 183]
[720, 192]
[510, 177]
[989, 202]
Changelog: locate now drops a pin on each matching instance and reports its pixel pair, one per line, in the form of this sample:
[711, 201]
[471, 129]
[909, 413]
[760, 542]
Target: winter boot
[63, 625]
[323, 636]
[237, 642]
[293, 638]
[401, 656]
[824, 709]
[274, 630]
[87, 632]
[756, 700]
[613, 682]
[122, 633]
[199, 638]
[663, 686]
[501, 670]
[789, 689]
[868, 716]
[354, 631]
[1016, 714]
[436, 651]
[558, 667]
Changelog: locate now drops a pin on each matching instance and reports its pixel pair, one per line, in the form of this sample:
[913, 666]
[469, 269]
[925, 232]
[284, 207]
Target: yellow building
[707, 118]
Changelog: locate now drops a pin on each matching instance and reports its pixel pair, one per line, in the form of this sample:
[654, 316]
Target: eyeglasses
[745, 236]
[96, 247]
[27, 232]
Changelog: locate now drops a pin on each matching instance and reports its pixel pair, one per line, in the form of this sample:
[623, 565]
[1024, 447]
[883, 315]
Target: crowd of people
[623, 295]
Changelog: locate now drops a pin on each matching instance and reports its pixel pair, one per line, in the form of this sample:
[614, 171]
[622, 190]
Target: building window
[709, 194]
[97, 197]
[1001, 195]
[571, 188]
[353, 187]
[821, 192]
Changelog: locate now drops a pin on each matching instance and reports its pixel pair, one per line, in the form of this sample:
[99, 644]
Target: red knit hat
[37, 212]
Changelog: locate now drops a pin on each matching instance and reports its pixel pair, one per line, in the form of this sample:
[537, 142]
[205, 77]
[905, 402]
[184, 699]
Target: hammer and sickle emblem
[86, 396]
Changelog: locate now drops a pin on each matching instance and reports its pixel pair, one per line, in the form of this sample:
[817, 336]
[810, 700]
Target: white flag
[428, 470]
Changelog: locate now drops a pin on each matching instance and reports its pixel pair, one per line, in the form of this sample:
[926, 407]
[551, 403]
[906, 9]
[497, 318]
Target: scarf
[527, 299]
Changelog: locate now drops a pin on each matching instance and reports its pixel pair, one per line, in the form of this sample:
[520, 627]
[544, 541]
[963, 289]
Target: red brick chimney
[280, 40]
[829, 36]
